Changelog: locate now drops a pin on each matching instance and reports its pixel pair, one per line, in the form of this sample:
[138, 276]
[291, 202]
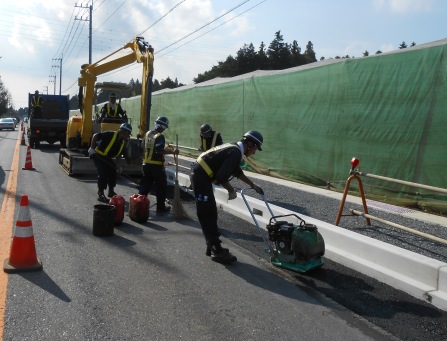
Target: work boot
[111, 193]
[208, 250]
[163, 209]
[221, 255]
[102, 197]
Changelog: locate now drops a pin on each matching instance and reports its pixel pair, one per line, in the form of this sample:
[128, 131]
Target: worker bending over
[104, 147]
[218, 165]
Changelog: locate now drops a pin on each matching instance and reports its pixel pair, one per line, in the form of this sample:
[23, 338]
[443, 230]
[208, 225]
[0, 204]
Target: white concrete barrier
[422, 277]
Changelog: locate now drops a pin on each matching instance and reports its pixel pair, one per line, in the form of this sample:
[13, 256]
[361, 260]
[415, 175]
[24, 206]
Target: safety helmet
[127, 127]
[112, 95]
[36, 92]
[162, 121]
[205, 129]
[255, 137]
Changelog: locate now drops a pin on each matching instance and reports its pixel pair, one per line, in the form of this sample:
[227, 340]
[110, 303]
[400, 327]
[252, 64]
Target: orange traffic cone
[28, 161]
[23, 143]
[23, 251]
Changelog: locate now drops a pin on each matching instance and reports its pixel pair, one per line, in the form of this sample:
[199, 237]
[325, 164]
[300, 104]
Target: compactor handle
[302, 222]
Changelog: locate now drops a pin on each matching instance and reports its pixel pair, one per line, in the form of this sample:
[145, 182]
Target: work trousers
[205, 204]
[106, 168]
[154, 175]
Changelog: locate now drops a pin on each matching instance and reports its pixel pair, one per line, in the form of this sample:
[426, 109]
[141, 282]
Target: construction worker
[153, 163]
[36, 103]
[104, 147]
[218, 165]
[209, 138]
[113, 109]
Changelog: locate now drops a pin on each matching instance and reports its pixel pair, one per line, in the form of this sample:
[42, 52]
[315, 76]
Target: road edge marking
[6, 228]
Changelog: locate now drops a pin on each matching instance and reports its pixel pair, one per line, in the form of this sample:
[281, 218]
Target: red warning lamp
[354, 162]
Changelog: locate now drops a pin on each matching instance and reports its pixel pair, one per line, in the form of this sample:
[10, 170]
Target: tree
[402, 46]
[5, 99]
[296, 58]
[378, 52]
[366, 53]
[413, 44]
[309, 54]
[261, 58]
[278, 53]
[246, 59]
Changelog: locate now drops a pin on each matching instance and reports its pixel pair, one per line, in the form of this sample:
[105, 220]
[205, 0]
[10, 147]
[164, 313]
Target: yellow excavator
[74, 159]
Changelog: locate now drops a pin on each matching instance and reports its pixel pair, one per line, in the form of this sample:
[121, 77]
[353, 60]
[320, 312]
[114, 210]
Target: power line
[156, 22]
[207, 24]
[213, 28]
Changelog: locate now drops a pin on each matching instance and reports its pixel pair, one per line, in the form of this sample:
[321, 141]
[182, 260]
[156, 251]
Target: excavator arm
[80, 129]
[139, 51]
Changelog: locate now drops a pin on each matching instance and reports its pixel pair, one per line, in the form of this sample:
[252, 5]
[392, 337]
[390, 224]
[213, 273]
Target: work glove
[91, 152]
[258, 189]
[232, 195]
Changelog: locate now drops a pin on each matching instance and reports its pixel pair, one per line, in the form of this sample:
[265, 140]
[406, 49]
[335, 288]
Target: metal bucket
[103, 220]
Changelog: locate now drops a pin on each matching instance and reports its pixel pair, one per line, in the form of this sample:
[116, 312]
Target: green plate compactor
[297, 247]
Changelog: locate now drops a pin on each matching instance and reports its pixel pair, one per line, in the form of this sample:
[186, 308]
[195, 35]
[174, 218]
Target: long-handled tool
[297, 247]
[177, 207]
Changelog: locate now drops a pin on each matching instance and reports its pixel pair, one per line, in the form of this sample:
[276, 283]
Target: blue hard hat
[127, 127]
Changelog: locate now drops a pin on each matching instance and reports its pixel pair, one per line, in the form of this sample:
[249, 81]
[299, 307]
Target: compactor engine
[295, 243]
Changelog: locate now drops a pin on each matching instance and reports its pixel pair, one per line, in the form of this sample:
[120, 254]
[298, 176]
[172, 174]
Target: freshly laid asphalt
[392, 310]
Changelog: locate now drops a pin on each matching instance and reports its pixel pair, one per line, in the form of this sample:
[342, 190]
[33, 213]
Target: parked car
[7, 123]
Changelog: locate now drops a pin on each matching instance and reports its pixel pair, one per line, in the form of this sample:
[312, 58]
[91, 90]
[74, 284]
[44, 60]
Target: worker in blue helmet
[217, 166]
[105, 146]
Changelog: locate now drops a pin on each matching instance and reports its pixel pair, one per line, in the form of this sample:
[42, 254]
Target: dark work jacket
[108, 148]
[223, 161]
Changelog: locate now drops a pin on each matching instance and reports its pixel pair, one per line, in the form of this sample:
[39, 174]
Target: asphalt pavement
[392, 310]
[152, 281]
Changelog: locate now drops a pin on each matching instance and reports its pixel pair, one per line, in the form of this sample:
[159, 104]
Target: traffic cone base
[23, 143]
[23, 255]
[9, 269]
[28, 162]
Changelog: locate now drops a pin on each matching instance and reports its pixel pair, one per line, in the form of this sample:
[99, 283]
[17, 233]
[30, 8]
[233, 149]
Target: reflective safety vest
[214, 157]
[109, 146]
[213, 142]
[36, 101]
[150, 157]
[114, 113]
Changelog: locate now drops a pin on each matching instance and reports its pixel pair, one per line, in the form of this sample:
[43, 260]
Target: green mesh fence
[388, 110]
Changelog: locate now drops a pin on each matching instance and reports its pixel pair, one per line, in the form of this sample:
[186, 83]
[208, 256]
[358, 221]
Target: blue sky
[34, 34]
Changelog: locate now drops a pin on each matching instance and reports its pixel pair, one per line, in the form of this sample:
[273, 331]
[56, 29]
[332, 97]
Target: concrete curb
[419, 276]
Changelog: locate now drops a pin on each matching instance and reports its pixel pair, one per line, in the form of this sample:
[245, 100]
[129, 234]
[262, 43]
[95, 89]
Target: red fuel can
[119, 202]
[139, 208]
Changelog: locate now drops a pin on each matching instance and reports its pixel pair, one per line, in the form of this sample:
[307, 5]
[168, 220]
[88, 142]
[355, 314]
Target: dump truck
[80, 129]
[50, 124]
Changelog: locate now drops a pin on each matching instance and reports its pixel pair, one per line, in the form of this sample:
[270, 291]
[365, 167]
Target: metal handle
[261, 232]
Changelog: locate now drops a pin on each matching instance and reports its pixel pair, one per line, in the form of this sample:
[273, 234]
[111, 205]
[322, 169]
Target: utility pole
[53, 81]
[60, 73]
[45, 86]
[90, 29]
